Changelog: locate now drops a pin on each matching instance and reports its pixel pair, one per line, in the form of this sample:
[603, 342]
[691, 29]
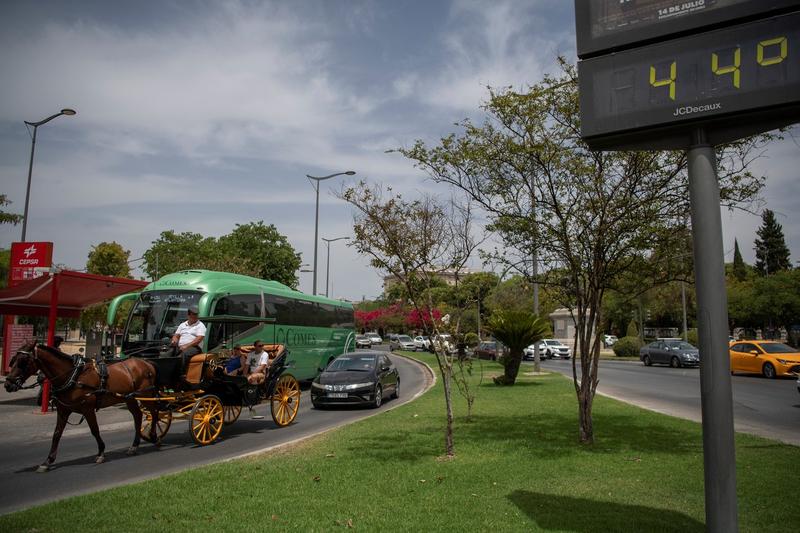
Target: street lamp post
[316, 216]
[328, 266]
[67, 112]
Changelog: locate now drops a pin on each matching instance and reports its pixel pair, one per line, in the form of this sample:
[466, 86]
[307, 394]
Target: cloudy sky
[195, 116]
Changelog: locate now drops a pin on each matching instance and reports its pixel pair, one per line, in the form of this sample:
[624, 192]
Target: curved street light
[67, 112]
[328, 267]
[317, 179]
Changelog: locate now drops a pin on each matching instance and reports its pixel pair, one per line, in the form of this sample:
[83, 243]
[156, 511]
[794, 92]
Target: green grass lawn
[518, 467]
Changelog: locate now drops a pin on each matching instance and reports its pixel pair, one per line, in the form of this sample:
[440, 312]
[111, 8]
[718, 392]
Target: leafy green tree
[5, 266]
[8, 218]
[105, 259]
[253, 249]
[109, 259]
[517, 330]
[265, 249]
[592, 215]
[772, 254]
[739, 267]
[173, 252]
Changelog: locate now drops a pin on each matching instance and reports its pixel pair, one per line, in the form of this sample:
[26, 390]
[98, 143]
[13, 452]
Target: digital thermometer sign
[653, 94]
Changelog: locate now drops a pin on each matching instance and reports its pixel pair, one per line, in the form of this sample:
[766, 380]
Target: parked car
[553, 349]
[356, 378]
[362, 341]
[444, 342]
[768, 358]
[403, 342]
[422, 342]
[391, 337]
[488, 350]
[672, 352]
[373, 337]
[528, 354]
[609, 340]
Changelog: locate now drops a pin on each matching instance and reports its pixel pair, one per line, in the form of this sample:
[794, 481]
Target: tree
[517, 330]
[105, 259]
[590, 216]
[109, 259]
[772, 254]
[8, 218]
[265, 249]
[739, 267]
[252, 249]
[415, 241]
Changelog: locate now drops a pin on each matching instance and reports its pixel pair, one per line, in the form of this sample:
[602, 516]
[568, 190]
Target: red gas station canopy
[75, 291]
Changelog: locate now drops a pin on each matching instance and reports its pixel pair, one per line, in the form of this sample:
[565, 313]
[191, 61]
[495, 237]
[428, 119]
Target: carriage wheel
[162, 425]
[206, 420]
[230, 413]
[285, 400]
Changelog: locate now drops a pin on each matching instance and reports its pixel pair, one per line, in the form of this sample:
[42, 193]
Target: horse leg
[61, 423]
[133, 407]
[154, 426]
[91, 419]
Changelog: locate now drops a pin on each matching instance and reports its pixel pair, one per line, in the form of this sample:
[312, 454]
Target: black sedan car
[673, 352]
[356, 378]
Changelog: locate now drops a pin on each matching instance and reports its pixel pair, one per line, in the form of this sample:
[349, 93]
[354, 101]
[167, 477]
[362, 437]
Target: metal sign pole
[712, 313]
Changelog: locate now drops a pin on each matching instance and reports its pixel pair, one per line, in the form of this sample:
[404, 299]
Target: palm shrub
[515, 329]
[627, 347]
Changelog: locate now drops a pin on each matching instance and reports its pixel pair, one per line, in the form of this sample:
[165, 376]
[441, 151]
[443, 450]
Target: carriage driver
[257, 364]
[189, 334]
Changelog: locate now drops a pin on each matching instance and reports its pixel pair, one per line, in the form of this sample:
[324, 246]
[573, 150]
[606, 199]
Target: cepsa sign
[26, 257]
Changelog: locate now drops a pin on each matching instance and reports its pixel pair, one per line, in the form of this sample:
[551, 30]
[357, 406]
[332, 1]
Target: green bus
[314, 328]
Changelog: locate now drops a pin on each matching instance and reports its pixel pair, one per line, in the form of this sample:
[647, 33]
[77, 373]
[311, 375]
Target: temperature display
[742, 68]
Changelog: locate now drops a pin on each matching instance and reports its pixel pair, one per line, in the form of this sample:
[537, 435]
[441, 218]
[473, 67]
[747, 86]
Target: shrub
[691, 337]
[632, 331]
[627, 347]
[471, 339]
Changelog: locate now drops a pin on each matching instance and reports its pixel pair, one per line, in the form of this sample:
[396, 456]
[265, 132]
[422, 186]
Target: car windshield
[552, 343]
[777, 347]
[356, 364]
[404, 338]
[679, 345]
[360, 337]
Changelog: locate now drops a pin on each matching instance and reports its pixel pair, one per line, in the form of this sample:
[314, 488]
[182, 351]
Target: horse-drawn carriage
[197, 388]
[157, 389]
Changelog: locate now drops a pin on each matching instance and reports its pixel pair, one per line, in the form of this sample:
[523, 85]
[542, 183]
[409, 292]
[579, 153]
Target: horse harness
[80, 364]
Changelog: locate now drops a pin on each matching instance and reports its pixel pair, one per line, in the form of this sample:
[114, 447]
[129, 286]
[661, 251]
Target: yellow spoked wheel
[206, 420]
[231, 413]
[162, 424]
[285, 400]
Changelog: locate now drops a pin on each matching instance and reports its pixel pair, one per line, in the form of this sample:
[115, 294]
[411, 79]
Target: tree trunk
[510, 369]
[448, 431]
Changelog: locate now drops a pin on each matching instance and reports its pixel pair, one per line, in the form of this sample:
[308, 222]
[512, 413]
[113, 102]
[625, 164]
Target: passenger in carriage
[257, 364]
[189, 334]
[236, 364]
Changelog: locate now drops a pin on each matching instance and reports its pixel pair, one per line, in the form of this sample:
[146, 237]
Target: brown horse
[77, 387]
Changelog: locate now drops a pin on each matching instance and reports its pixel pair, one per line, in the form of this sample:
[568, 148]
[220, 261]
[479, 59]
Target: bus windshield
[155, 316]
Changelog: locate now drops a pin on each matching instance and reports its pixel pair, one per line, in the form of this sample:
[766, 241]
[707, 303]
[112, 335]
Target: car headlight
[784, 361]
[315, 385]
[353, 386]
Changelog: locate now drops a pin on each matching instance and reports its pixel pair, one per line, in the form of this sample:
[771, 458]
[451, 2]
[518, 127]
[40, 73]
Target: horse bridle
[18, 382]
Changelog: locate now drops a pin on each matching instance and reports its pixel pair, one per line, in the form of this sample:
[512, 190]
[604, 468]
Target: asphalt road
[770, 408]
[25, 442]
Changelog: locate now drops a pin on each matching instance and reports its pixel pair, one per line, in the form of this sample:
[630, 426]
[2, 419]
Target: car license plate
[337, 395]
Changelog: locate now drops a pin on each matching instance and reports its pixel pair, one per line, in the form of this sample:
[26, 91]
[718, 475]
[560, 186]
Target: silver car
[403, 342]
[672, 352]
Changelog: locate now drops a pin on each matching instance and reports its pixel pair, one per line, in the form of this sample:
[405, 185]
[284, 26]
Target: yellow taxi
[769, 358]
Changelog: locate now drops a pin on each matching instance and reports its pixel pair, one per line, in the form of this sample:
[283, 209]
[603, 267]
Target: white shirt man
[257, 363]
[189, 335]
